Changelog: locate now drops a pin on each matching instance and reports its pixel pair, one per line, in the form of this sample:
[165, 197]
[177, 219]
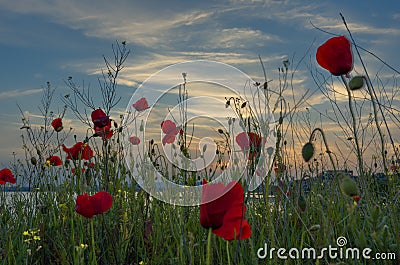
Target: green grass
[137, 229]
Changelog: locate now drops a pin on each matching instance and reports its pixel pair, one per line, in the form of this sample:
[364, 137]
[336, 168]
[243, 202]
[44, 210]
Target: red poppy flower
[356, 198]
[57, 124]
[79, 151]
[6, 176]
[134, 140]
[335, 56]
[222, 210]
[141, 104]
[54, 161]
[170, 130]
[104, 132]
[90, 165]
[100, 119]
[249, 142]
[88, 206]
[74, 169]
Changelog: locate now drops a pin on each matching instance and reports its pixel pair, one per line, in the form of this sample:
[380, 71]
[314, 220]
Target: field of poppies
[85, 206]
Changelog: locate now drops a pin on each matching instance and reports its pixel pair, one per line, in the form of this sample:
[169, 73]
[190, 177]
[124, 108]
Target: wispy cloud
[19, 93]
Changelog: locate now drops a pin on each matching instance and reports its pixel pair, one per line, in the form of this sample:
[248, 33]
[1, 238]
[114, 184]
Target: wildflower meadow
[159, 185]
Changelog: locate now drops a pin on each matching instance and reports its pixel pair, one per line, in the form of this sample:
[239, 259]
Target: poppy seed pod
[356, 83]
[308, 151]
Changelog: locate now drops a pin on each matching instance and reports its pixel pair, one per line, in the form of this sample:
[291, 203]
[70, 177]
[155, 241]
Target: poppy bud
[314, 228]
[308, 151]
[270, 150]
[141, 127]
[33, 161]
[204, 148]
[348, 186]
[356, 83]
[301, 202]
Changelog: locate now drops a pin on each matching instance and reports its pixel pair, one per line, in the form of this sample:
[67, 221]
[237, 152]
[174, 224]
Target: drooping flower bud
[308, 151]
[356, 83]
[348, 186]
[33, 161]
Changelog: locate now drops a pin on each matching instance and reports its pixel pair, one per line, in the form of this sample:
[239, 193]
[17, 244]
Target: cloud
[19, 93]
[126, 20]
[240, 38]
[140, 67]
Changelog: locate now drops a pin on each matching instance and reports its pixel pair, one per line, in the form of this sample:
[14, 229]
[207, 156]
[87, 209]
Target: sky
[48, 41]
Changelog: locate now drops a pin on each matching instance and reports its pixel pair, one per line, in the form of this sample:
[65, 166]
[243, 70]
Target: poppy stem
[355, 134]
[326, 145]
[227, 252]
[208, 257]
[375, 102]
[371, 93]
[94, 261]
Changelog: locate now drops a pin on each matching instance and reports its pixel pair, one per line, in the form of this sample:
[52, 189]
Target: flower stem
[375, 102]
[94, 261]
[227, 252]
[208, 258]
[359, 155]
[326, 145]
[373, 99]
